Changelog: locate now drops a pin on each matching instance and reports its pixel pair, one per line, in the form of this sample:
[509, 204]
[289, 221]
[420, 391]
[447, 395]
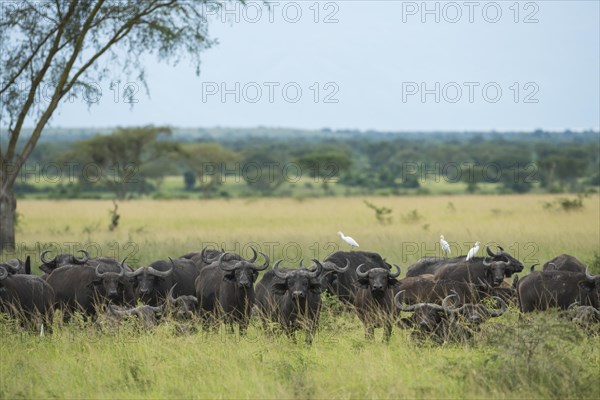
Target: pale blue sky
[377, 53]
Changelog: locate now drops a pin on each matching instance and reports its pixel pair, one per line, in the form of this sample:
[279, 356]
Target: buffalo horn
[360, 273]
[450, 307]
[265, 265]
[83, 259]
[135, 273]
[254, 257]
[226, 268]
[413, 307]
[278, 273]
[43, 257]
[497, 313]
[170, 297]
[122, 273]
[587, 274]
[395, 274]
[317, 271]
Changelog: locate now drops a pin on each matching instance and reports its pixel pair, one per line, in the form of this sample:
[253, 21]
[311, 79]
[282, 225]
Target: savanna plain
[513, 356]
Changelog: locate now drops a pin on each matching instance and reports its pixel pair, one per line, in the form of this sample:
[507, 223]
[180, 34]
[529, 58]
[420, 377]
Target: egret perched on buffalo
[445, 246]
[473, 252]
[348, 240]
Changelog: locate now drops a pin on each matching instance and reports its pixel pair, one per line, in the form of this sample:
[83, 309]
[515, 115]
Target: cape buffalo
[420, 290]
[342, 284]
[180, 308]
[17, 266]
[446, 322]
[564, 262]
[586, 317]
[483, 274]
[50, 264]
[225, 289]
[208, 256]
[82, 288]
[430, 265]
[546, 289]
[152, 283]
[26, 296]
[374, 300]
[291, 297]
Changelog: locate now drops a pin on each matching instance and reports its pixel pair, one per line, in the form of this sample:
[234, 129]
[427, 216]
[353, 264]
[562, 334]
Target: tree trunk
[8, 209]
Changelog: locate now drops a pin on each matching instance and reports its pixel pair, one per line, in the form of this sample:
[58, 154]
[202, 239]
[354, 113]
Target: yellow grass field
[288, 228]
[536, 356]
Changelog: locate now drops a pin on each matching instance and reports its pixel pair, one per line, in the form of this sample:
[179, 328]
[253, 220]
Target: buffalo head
[299, 283]
[512, 264]
[377, 280]
[109, 285]
[147, 279]
[241, 271]
[50, 264]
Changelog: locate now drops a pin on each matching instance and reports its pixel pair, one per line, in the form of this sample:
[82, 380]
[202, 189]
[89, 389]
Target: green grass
[540, 356]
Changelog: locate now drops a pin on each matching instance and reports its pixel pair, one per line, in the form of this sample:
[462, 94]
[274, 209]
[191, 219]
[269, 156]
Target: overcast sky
[384, 65]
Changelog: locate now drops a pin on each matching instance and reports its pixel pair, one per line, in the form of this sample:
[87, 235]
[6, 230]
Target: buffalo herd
[440, 298]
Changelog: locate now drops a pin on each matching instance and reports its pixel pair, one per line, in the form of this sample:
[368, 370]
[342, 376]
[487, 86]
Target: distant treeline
[129, 162]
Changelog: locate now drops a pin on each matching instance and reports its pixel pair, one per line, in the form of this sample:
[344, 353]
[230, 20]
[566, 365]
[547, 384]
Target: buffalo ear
[279, 288]
[28, 265]
[316, 287]
[95, 282]
[229, 277]
[393, 282]
[46, 269]
[362, 283]
[587, 285]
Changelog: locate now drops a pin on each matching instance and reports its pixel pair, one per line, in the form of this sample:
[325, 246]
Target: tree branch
[35, 83]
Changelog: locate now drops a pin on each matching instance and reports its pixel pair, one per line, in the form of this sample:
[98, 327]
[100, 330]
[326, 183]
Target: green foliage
[565, 204]
[523, 357]
[411, 217]
[382, 214]
[123, 161]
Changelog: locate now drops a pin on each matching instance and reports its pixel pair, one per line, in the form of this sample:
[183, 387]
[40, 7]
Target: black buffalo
[152, 283]
[180, 308]
[225, 290]
[343, 284]
[483, 274]
[586, 317]
[446, 322]
[291, 297]
[83, 288]
[208, 256]
[547, 289]
[430, 265]
[374, 300]
[59, 260]
[17, 266]
[26, 296]
[564, 262]
[420, 290]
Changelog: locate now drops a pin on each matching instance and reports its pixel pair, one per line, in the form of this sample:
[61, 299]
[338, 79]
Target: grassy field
[540, 356]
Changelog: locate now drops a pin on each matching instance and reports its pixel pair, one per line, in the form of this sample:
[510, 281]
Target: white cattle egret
[348, 240]
[42, 330]
[445, 246]
[473, 252]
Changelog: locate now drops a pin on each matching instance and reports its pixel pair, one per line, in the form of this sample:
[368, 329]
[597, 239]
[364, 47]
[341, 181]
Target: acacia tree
[58, 46]
[125, 160]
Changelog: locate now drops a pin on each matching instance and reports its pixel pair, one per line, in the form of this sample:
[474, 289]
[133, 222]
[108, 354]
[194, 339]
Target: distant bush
[565, 204]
